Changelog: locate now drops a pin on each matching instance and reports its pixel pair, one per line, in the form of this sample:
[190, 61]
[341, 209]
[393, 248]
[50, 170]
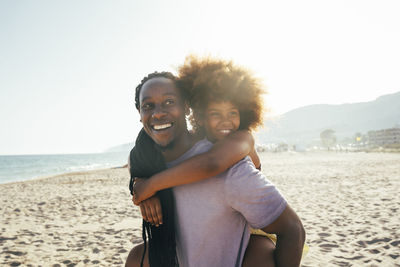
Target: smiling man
[162, 112]
[212, 216]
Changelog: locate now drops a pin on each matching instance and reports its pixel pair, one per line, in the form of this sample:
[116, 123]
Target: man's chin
[165, 146]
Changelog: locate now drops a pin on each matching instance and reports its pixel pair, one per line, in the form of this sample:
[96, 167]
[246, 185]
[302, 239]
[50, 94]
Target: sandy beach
[348, 202]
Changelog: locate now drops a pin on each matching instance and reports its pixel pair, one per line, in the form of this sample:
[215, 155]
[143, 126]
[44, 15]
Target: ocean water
[24, 167]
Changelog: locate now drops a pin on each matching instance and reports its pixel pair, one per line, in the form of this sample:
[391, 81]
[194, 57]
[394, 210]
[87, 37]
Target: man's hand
[151, 210]
[142, 190]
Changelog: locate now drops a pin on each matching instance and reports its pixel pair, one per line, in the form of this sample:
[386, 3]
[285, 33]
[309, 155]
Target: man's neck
[179, 147]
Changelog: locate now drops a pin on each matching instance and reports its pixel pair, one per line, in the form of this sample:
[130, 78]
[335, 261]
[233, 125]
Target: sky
[68, 69]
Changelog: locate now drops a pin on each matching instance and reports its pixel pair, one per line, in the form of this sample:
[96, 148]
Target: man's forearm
[290, 238]
[289, 247]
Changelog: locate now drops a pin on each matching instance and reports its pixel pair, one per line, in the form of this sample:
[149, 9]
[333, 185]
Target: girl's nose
[226, 121]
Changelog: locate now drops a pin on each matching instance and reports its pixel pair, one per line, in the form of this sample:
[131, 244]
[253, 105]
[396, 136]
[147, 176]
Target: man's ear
[138, 109]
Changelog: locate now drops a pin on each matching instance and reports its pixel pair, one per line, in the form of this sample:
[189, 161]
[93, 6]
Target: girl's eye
[214, 114]
[234, 113]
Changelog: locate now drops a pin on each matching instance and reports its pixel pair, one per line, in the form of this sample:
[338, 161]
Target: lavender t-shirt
[214, 215]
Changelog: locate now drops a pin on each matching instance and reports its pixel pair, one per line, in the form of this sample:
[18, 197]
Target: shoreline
[49, 176]
[26, 167]
[312, 152]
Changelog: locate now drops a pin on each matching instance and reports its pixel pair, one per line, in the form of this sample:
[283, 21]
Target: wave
[25, 167]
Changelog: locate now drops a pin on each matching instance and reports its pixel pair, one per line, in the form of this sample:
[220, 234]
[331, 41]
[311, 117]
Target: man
[213, 215]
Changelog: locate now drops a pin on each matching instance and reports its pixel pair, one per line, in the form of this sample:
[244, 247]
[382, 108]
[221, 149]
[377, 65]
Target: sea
[24, 167]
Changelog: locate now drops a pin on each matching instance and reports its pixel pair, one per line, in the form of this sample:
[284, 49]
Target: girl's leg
[135, 256]
[259, 252]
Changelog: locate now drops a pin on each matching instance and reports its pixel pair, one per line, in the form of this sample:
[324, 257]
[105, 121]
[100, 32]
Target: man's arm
[249, 192]
[290, 238]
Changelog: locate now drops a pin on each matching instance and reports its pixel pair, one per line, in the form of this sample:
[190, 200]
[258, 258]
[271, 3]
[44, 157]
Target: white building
[384, 137]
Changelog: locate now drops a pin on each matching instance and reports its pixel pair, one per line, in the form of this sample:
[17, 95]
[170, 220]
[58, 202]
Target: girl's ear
[187, 109]
[199, 118]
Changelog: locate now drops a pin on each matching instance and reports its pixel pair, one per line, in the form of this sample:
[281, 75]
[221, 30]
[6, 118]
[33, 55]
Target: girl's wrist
[152, 183]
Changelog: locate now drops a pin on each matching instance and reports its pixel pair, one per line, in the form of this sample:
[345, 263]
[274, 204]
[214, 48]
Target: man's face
[162, 111]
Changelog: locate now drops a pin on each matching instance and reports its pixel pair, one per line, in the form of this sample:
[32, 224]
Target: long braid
[146, 160]
[144, 242]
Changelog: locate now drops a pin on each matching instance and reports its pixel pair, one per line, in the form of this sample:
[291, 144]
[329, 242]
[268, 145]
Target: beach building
[384, 137]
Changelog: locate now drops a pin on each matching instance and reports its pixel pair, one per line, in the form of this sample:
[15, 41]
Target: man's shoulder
[198, 148]
[202, 144]
[244, 166]
[244, 174]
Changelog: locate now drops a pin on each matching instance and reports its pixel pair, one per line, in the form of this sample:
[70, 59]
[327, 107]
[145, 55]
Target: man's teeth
[225, 131]
[162, 126]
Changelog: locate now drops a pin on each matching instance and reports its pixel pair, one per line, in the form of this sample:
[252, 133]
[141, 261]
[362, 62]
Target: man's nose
[159, 112]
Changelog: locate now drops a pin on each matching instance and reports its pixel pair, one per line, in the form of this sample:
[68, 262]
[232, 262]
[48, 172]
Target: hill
[121, 148]
[303, 125]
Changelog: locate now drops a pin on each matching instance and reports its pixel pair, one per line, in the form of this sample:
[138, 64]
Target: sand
[79, 219]
[348, 202]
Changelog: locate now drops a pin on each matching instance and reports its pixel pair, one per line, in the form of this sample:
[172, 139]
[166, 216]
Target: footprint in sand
[328, 245]
[395, 243]
[16, 253]
[324, 234]
[378, 240]
[374, 251]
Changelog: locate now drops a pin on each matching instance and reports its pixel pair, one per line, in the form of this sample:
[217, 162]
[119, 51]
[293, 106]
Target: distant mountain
[303, 125]
[121, 148]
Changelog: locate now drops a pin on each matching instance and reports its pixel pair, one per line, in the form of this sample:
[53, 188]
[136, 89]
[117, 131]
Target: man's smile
[159, 127]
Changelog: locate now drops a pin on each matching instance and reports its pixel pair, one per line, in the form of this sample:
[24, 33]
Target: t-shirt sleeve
[249, 192]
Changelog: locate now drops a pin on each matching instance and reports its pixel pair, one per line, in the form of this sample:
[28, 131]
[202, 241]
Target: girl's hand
[151, 210]
[142, 190]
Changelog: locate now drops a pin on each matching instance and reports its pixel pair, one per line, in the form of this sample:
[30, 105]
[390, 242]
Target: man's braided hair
[164, 74]
[146, 160]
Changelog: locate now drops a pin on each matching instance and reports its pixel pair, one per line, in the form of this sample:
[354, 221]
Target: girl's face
[220, 119]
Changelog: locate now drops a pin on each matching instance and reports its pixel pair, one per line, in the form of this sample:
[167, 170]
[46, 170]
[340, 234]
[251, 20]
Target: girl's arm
[256, 160]
[219, 158]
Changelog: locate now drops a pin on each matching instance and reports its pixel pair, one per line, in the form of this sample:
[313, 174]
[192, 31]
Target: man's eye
[146, 106]
[170, 102]
[234, 113]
